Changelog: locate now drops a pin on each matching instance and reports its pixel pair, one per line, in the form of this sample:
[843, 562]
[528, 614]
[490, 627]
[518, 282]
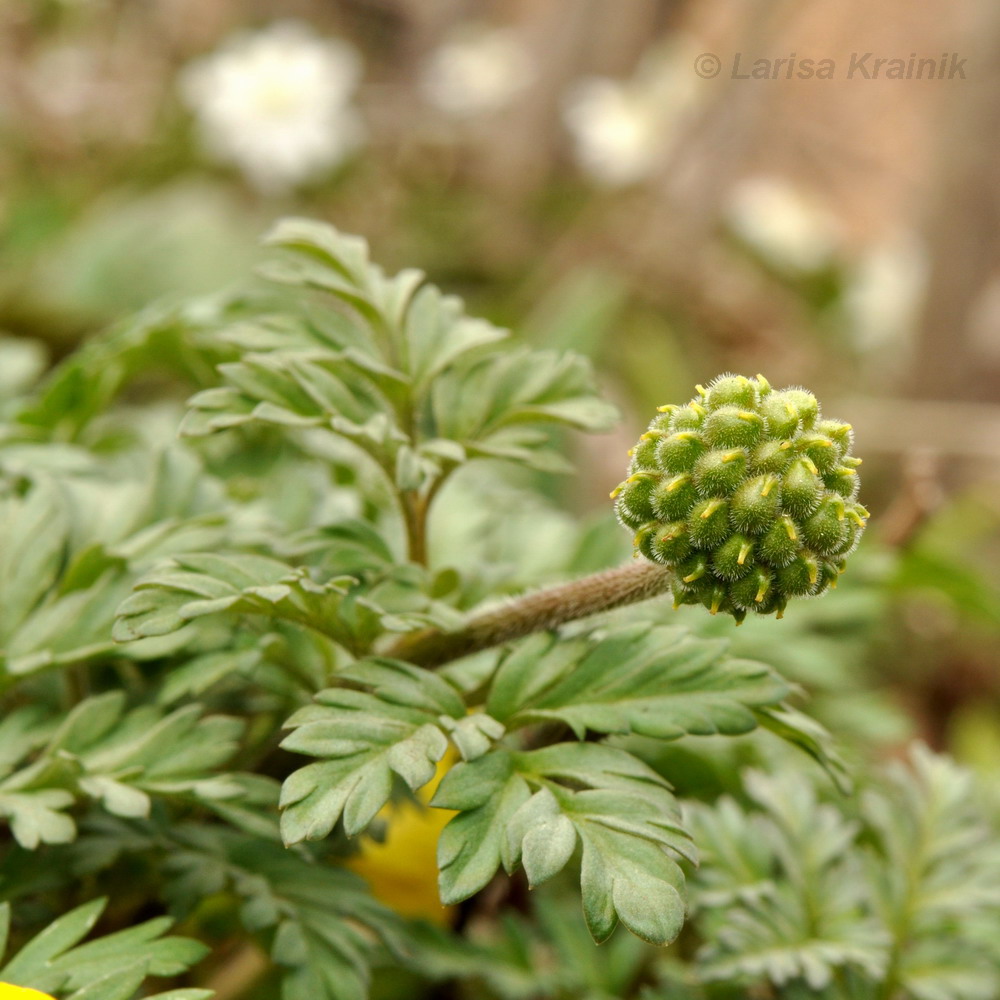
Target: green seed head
[747, 494]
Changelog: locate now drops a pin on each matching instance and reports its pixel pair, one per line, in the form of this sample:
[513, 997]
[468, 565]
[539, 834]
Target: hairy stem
[535, 612]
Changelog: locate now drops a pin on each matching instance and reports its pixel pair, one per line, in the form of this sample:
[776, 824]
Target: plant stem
[415, 518]
[535, 612]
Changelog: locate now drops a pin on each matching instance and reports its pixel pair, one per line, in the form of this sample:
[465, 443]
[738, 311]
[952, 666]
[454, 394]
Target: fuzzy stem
[535, 612]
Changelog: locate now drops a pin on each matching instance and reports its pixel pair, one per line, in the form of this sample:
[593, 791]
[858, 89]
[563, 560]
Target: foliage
[105, 968]
[204, 714]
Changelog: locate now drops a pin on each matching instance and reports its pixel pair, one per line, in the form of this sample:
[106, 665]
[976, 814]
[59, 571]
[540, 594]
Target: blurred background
[581, 172]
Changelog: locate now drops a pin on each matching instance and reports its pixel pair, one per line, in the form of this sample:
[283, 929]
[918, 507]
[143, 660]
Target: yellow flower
[8, 992]
[402, 869]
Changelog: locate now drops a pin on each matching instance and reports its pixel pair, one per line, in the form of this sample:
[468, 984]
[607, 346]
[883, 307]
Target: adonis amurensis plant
[288, 678]
[747, 494]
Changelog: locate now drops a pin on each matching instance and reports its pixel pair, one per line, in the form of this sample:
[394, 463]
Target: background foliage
[172, 606]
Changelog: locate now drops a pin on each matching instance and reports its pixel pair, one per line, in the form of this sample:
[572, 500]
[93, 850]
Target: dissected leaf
[364, 738]
[658, 682]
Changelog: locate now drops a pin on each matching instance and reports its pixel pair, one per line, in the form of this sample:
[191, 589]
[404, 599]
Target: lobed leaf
[653, 681]
[364, 738]
[536, 808]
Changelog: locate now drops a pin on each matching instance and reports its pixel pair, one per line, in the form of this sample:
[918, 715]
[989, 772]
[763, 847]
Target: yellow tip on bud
[713, 506]
[716, 604]
[784, 446]
[666, 408]
[731, 456]
[813, 572]
[810, 465]
[744, 552]
[768, 486]
[691, 577]
[746, 415]
[762, 591]
[677, 481]
[790, 410]
[780, 613]
[793, 535]
[700, 389]
[616, 492]
[698, 408]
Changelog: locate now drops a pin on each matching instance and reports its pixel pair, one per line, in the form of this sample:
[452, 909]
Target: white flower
[275, 103]
[787, 228]
[623, 130]
[616, 134]
[885, 293]
[477, 71]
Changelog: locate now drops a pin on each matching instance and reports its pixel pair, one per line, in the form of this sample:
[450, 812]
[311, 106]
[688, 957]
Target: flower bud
[747, 494]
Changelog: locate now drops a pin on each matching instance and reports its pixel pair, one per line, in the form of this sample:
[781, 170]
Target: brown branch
[535, 612]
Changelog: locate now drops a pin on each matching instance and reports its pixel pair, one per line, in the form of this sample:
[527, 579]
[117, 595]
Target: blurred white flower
[476, 71]
[276, 103]
[790, 230]
[885, 292]
[623, 130]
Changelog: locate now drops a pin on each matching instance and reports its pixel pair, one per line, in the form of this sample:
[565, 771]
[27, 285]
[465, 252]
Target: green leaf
[64, 932]
[489, 793]
[787, 902]
[107, 968]
[119, 759]
[183, 994]
[36, 816]
[541, 837]
[631, 880]
[438, 332]
[474, 403]
[323, 924]
[534, 808]
[364, 738]
[395, 353]
[656, 682]
[193, 586]
[808, 735]
[106, 534]
[116, 984]
[33, 533]
[935, 872]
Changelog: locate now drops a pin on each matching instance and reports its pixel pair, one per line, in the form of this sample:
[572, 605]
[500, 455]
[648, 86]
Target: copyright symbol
[707, 65]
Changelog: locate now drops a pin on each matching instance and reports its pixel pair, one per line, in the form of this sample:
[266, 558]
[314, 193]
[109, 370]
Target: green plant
[222, 659]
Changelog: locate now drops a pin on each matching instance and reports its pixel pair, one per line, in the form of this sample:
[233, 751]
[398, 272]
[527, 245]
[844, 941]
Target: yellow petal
[402, 869]
[8, 992]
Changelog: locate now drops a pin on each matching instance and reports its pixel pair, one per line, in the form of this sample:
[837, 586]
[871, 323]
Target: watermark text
[858, 66]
